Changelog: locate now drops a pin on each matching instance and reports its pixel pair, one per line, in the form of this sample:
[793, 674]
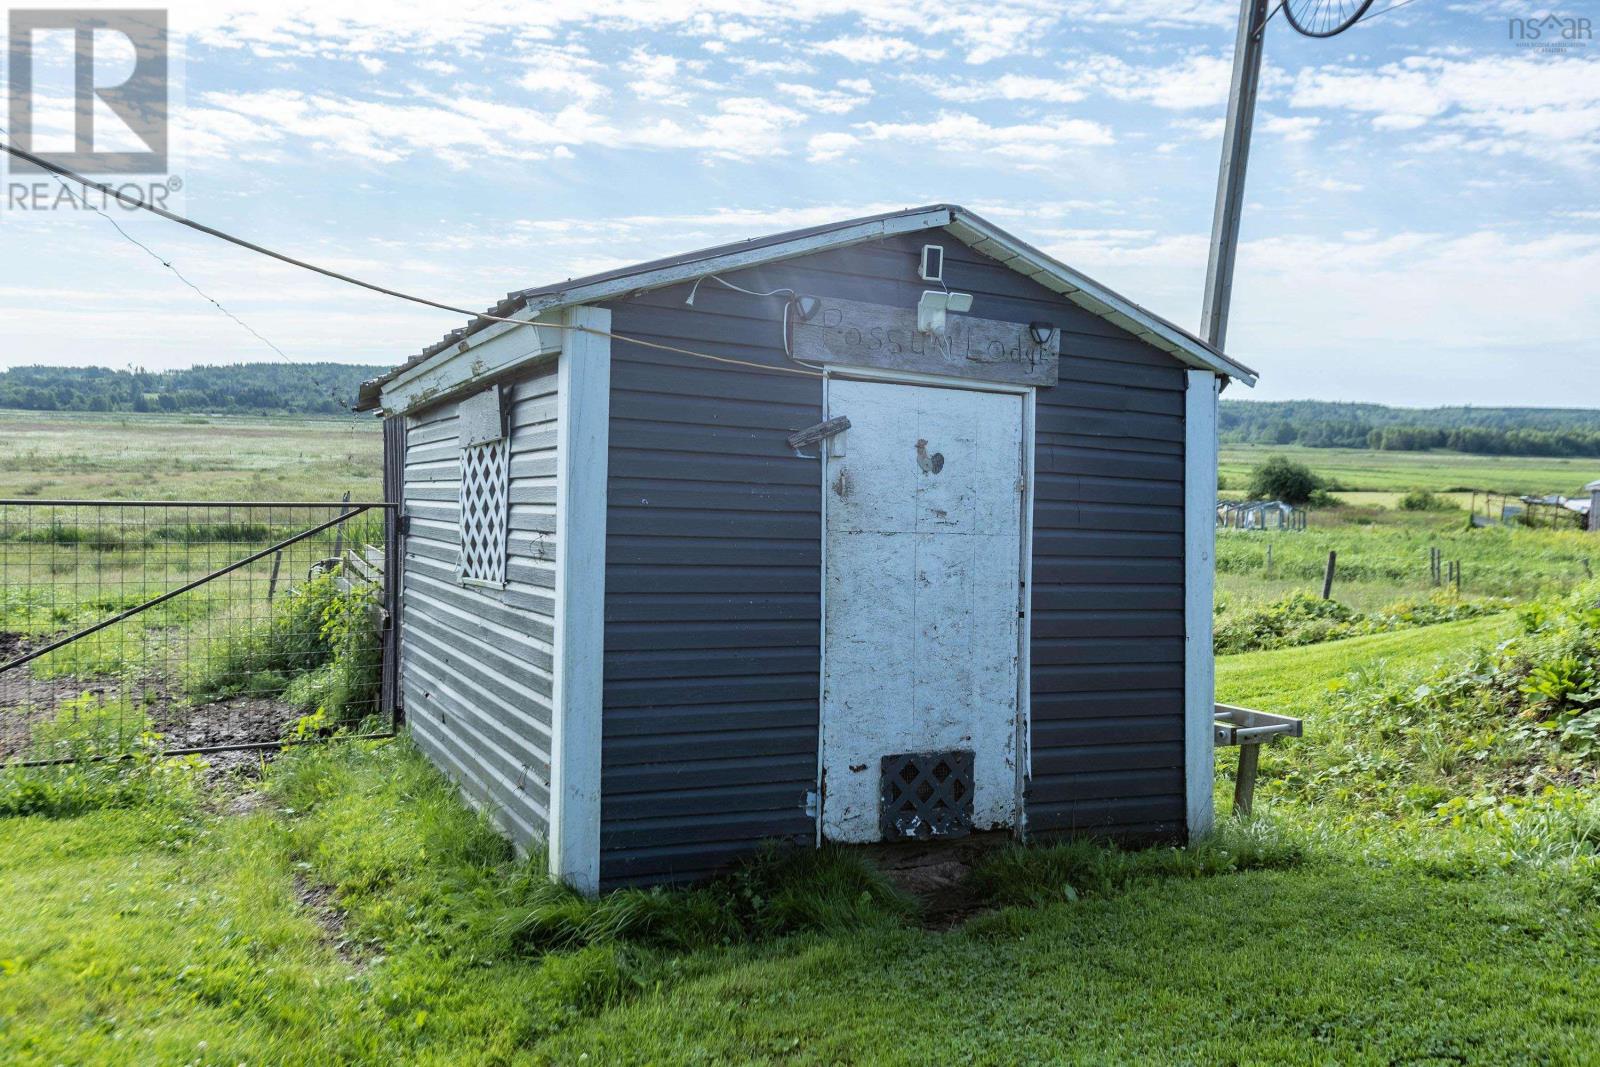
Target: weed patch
[1304, 619]
[1074, 869]
[319, 648]
[89, 729]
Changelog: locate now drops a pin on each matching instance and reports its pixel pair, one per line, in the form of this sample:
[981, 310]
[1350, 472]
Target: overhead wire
[135, 202]
[1369, 16]
[788, 306]
[333, 394]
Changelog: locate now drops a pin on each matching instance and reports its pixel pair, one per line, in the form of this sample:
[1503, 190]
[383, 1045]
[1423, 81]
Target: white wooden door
[923, 547]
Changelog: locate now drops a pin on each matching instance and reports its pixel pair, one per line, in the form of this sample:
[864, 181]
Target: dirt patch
[28, 703]
[937, 874]
[320, 901]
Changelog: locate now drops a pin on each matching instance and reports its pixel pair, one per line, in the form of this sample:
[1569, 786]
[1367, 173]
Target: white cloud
[371, 64]
[655, 77]
[874, 48]
[825, 147]
[561, 72]
[461, 127]
[438, 66]
[1375, 314]
[1289, 127]
[772, 66]
[1005, 87]
[1194, 82]
[1548, 106]
[1200, 129]
[828, 101]
[1024, 145]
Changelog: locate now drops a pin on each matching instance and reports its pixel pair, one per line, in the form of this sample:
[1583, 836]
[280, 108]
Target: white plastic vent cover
[483, 512]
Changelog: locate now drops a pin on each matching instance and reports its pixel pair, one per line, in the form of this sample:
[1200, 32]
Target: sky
[1421, 226]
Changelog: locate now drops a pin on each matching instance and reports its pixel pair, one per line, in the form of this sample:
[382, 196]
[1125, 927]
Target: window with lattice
[483, 512]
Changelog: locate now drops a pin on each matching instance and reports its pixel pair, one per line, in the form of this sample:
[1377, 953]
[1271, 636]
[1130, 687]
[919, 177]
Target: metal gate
[192, 626]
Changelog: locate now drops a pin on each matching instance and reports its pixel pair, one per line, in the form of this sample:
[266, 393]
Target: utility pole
[1230, 178]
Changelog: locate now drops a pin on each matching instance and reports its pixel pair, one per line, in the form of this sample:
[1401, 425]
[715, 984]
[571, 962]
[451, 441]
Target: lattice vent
[484, 494]
[926, 795]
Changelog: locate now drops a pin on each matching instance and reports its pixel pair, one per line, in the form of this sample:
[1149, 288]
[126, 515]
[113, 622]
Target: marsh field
[1421, 882]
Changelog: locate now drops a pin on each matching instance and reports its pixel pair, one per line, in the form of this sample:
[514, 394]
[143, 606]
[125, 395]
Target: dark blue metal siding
[1108, 579]
[713, 570]
[713, 553]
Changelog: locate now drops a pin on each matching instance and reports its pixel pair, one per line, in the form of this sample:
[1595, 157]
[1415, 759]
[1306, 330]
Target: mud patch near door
[938, 875]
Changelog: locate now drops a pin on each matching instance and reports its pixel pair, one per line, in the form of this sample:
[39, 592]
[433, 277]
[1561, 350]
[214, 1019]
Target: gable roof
[966, 226]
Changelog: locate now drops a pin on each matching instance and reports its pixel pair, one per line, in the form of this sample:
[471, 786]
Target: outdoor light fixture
[1041, 332]
[933, 305]
[806, 307]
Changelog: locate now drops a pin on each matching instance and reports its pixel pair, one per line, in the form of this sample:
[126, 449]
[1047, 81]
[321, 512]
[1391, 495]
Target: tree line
[241, 388]
[1486, 431]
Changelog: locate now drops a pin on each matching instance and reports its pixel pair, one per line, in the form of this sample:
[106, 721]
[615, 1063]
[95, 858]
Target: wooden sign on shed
[877, 335]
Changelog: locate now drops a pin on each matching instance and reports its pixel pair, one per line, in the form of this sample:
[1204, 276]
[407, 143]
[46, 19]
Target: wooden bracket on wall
[820, 432]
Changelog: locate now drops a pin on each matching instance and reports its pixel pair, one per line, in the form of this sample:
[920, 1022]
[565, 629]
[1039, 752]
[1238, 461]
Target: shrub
[1423, 500]
[319, 648]
[1496, 722]
[1283, 479]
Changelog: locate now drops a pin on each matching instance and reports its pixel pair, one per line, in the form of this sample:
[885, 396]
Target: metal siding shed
[711, 663]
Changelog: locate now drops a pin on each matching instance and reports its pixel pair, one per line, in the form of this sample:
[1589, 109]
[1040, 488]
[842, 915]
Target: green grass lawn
[1290, 681]
[361, 914]
[1418, 890]
[1384, 557]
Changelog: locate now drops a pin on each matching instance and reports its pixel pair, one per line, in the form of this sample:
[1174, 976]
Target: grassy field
[189, 457]
[354, 911]
[1398, 472]
[1423, 884]
[65, 568]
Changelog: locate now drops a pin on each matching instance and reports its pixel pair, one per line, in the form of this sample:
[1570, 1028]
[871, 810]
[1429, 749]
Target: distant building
[1593, 489]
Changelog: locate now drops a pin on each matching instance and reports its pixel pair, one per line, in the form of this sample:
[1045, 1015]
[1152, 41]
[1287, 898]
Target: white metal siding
[476, 663]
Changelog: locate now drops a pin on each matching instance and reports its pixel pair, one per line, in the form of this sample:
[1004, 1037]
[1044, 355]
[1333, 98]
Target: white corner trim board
[1199, 562]
[582, 438]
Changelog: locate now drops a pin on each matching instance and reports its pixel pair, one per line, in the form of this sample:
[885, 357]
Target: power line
[333, 394]
[135, 202]
[1369, 16]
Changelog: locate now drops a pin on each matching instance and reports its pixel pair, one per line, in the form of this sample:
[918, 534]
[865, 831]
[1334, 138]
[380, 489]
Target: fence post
[1269, 559]
[1244, 784]
[338, 531]
[1327, 576]
[272, 582]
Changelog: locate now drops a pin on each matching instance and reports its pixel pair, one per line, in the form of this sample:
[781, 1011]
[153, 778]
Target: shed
[1593, 490]
[893, 527]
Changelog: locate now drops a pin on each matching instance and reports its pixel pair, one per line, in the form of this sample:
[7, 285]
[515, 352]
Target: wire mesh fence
[129, 626]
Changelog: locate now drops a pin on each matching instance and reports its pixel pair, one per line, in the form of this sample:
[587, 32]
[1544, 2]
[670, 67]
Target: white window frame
[470, 499]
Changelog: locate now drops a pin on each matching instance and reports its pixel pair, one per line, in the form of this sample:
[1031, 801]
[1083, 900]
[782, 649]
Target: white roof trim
[754, 257]
[1094, 297]
[958, 222]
